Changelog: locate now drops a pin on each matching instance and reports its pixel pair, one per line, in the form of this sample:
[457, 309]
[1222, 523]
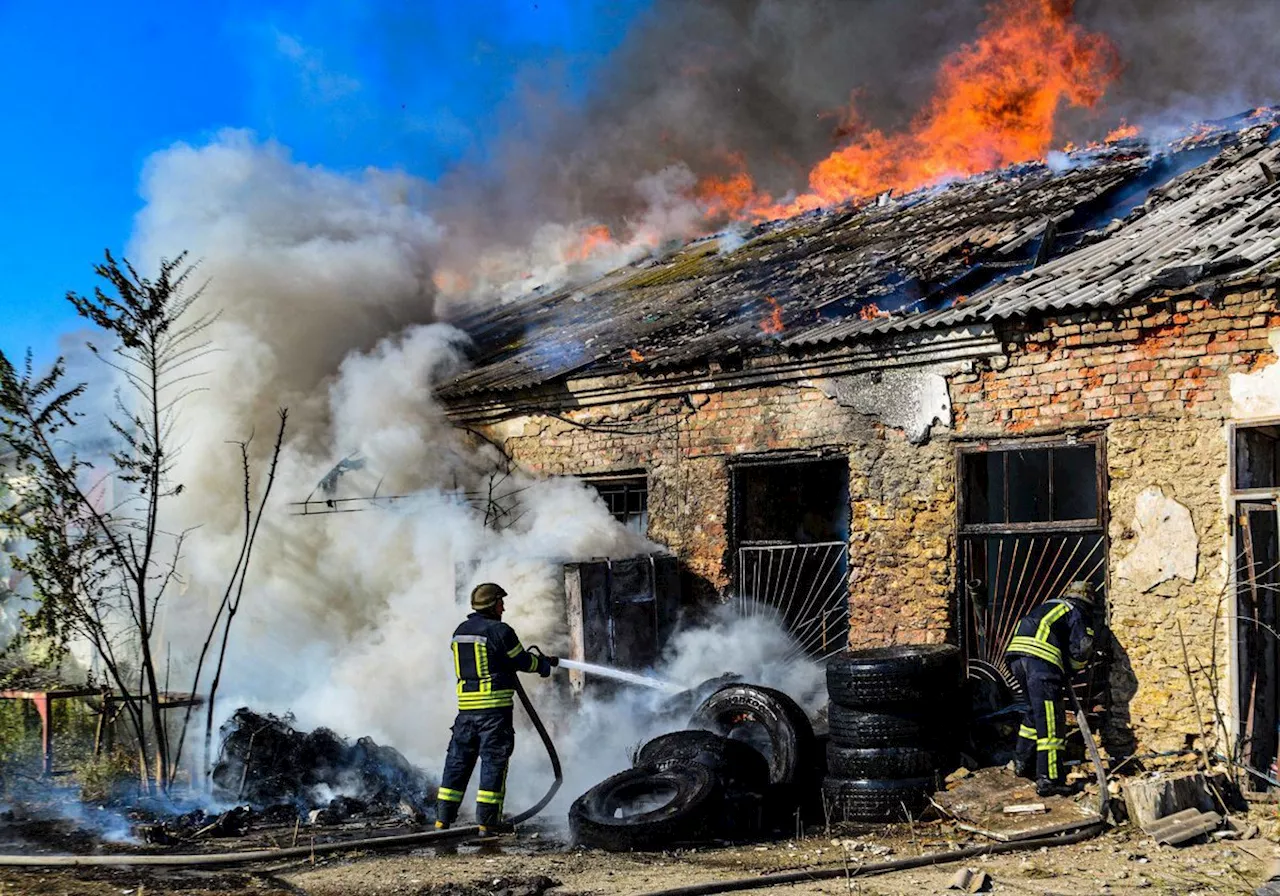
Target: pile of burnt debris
[271, 773]
[268, 764]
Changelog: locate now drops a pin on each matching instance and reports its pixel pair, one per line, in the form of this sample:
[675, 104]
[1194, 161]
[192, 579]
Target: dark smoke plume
[768, 82]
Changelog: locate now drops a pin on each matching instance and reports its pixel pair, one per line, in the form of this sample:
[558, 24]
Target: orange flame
[994, 104]
[732, 196]
[635, 356]
[871, 311]
[772, 325]
[1123, 132]
[592, 240]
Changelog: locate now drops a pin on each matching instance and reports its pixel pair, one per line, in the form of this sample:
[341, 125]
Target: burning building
[913, 418]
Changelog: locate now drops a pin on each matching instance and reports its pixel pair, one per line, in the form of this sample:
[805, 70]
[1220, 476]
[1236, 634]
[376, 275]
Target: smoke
[333, 291]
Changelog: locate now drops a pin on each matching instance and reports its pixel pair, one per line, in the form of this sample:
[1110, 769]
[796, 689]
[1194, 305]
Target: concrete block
[1151, 799]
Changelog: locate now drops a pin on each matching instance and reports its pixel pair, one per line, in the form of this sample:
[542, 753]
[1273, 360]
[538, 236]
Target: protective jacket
[1055, 632]
[487, 654]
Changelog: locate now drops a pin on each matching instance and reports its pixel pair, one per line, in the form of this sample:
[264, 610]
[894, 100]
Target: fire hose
[418, 838]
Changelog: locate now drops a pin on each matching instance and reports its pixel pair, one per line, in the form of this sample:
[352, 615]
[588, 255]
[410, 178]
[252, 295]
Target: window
[627, 497]
[1037, 484]
[1256, 457]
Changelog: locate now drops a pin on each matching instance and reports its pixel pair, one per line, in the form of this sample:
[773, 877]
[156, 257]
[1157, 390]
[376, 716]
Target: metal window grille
[1031, 522]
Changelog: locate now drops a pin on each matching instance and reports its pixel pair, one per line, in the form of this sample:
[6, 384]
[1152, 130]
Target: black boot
[1050, 787]
[1025, 769]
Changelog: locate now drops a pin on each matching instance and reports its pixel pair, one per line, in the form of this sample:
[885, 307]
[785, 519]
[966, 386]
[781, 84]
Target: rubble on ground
[265, 762]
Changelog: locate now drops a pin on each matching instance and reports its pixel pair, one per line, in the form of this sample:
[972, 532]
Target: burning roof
[1095, 227]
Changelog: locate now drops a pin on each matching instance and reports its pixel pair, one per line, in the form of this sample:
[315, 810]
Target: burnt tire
[882, 762]
[867, 728]
[740, 767]
[889, 676]
[767, 719]
[877, 799]
[685, 808]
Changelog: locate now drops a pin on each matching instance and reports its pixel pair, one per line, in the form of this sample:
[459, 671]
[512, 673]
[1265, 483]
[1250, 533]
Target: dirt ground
[1120, 862]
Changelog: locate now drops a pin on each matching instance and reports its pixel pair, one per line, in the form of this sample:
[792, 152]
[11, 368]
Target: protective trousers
[487, 735]
[1044, 724]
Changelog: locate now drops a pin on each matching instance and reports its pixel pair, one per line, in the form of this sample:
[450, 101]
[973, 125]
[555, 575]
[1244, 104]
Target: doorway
[1031, 522]
[1255, 477]
[790, 528]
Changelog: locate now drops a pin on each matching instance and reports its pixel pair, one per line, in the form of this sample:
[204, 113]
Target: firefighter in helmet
[1050, 644]
[487, 654]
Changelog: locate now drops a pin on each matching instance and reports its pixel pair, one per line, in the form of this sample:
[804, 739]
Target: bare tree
[100, 563]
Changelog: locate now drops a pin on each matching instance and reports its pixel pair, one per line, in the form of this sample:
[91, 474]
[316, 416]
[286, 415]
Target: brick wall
[1154, 377]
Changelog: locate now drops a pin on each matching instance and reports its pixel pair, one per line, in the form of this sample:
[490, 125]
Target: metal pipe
[934, 858]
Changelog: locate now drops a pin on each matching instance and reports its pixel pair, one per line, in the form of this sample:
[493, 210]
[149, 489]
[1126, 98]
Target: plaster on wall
[912, 400]
[1166, 542]
[1257, 394]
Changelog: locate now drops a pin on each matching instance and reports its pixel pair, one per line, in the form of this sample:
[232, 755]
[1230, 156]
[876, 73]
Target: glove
[544, 667]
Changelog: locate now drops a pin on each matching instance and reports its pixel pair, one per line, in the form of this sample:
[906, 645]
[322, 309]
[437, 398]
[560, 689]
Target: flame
[1123, 132]
[994, 104]
[871, 311]
[635, 356]
[591, 241]
[772, 324]
[732, 196]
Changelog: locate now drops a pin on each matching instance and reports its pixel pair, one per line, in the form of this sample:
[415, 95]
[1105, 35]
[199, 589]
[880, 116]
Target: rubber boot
[1049, 787]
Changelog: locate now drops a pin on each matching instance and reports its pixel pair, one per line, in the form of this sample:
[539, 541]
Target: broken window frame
[990, 446]
[1233, 470]
[630, 482]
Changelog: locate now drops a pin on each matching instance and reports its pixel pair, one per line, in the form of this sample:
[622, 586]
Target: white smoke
[326, 292]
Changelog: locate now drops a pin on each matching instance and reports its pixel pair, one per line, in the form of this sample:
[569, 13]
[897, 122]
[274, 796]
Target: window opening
[1257, 458]
[627, 498]
[791, 555]
[1031, 523]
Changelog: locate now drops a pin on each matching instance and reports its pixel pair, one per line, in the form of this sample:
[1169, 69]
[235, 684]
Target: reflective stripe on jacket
[487, 654]
[1055, 630]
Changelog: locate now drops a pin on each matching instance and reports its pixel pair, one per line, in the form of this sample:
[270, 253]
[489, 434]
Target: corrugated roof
[974, 250]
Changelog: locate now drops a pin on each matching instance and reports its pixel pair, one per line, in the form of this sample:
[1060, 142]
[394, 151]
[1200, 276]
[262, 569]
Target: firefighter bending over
[487, 654]
[1050, 644]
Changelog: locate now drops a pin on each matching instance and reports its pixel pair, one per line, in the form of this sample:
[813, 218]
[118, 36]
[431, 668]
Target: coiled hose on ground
[418, 838]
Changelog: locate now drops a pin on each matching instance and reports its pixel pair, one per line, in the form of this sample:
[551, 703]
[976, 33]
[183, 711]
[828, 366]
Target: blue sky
[92, 89]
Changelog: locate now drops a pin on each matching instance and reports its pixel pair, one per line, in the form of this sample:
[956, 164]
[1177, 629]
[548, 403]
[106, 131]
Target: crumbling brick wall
[1156, 377]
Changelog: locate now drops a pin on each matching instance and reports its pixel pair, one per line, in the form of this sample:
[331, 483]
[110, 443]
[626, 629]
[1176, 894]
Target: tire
[686, 809]
[877, 799]
[739, 767]
[892, 676]
[882, 762]
[866, 729]
[785, 737]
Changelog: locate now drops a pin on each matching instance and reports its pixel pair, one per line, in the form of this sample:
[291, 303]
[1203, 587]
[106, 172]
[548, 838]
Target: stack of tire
[892, 729]
[745, 757]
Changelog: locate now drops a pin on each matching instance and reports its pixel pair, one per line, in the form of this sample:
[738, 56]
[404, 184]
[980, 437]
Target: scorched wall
[1157, 380]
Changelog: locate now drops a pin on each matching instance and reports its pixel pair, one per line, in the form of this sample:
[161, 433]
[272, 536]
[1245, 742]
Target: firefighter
[487, 654]
[1050, 644]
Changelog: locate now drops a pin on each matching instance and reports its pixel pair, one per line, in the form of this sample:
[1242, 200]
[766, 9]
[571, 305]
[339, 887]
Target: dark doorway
[1255, 479]
[1257, 584]
[791, 547]
[1031, 522]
